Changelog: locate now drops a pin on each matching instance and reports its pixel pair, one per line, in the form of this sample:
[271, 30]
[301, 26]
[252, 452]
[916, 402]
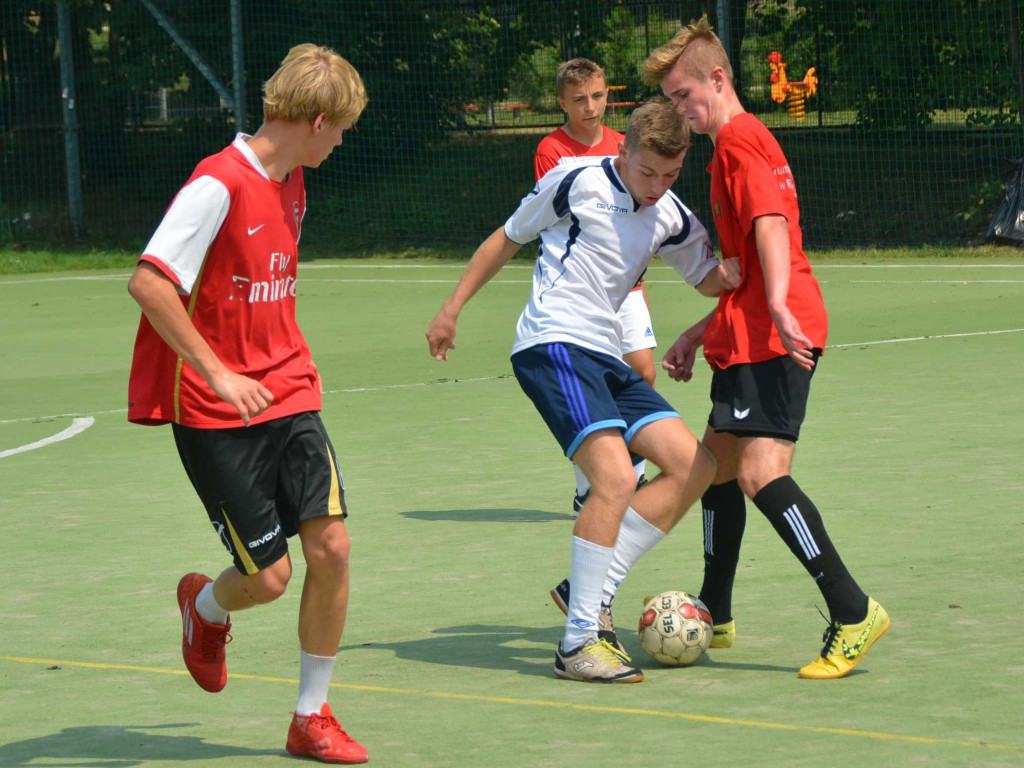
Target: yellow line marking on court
[542, 703]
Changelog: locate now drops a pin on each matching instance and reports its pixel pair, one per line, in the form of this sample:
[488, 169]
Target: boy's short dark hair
[576, 71]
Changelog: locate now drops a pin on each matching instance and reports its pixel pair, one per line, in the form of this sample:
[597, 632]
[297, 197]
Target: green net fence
[105, 108]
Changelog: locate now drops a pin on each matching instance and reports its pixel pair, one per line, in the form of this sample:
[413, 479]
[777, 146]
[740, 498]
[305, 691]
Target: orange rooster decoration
[796, 93]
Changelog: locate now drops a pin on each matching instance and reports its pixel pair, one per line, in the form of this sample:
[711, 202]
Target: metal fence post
[238, 63]
[67, 95]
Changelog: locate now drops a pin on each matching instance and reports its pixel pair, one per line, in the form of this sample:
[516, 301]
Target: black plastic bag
[1008, 223]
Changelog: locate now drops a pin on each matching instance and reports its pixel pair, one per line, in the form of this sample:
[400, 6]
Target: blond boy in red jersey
[763, 343]
[220, 357]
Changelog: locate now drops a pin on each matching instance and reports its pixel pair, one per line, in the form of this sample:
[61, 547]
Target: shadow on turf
[118, 746]
[526, 650]
[488, 515]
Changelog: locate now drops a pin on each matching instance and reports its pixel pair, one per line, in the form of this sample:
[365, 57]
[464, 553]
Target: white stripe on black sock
[802, 532]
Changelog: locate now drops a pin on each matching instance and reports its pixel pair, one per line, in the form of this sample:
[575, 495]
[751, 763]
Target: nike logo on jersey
[254, 230]
[738, 414]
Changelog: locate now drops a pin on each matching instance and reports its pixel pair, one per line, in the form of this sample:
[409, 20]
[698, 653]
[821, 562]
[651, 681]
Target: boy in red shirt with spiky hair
[763, 343]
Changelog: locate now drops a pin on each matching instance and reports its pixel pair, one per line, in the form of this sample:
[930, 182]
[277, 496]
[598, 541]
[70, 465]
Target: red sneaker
[322, 737]
[202, 643]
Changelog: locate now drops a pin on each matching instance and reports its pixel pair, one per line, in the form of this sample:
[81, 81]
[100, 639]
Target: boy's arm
[488, 260]
[162, 306]
[725, 277]
[772, 236]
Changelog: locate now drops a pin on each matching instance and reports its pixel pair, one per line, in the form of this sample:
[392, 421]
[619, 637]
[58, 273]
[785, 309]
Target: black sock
[798, 522]
[725, 516]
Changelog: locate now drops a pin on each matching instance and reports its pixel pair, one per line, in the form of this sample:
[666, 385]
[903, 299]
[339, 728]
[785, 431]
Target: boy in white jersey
[600, 224]
[583, 95]
[219, 355]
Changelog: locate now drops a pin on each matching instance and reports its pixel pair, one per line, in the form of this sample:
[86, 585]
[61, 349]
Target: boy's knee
[616, 487]
[269, 584]
[330, 554]
[752, 481]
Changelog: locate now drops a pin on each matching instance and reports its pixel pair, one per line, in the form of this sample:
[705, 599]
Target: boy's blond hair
[312, 80]
[658, 127]
[576, 71]
[699, 48]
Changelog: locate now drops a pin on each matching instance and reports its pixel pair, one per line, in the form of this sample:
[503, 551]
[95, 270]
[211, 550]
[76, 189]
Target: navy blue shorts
[578, 391]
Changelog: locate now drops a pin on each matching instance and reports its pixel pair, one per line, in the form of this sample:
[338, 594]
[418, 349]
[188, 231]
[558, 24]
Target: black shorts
[258, 483]
[766, 399]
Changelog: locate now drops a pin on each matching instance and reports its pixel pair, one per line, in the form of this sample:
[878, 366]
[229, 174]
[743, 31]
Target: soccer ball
[675, 628]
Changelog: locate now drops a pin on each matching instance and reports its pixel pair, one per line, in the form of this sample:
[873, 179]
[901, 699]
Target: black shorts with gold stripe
[258, 483]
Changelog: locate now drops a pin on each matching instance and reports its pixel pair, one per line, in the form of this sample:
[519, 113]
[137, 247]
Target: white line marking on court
[450, 281]
[926, 338]
[63, 416]
[462, 266]
[76, 278]
[77, 426]
[816, 266]
[416, 384]
[940, 282]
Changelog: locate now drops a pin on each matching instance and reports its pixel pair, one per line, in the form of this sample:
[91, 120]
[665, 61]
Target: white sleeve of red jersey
[188, 229]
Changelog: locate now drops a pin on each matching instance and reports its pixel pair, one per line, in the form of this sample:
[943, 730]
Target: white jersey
[596, 243]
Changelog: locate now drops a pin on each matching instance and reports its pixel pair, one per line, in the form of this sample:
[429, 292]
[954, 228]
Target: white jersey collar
[240, 143]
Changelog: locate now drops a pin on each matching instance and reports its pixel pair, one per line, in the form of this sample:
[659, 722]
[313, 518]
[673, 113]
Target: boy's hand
[249, 397]
[732, 276]
[441, 335]
[797, 345]
[679, 359]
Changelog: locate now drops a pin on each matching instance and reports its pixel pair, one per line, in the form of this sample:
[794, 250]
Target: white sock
[636, 538]
[639, 468]
[314, 682]
[208, 607]
[590, 563]
[582, 484]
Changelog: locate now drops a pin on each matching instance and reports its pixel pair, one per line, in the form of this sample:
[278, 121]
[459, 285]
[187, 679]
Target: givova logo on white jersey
[611, 207]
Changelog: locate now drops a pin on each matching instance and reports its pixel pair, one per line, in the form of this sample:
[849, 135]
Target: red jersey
[559, 144]
[750, 177]
[229, 242]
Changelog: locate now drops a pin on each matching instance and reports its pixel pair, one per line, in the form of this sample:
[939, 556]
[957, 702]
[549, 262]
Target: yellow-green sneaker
[846, 644]
[724, 635]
